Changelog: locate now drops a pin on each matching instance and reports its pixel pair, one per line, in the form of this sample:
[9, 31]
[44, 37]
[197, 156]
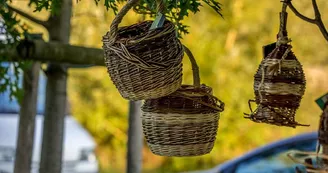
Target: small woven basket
[279, 85]
[143, 63]
[183, 123]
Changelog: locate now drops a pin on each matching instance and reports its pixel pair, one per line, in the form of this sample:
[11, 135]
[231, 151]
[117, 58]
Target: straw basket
[323, 127]
[143, 63]
[183, 123]
[279, 85]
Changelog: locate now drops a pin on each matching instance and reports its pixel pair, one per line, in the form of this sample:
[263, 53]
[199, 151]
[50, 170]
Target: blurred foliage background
[228, 52]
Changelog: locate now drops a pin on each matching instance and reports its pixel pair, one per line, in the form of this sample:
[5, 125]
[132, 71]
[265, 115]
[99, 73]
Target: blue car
[271, 158]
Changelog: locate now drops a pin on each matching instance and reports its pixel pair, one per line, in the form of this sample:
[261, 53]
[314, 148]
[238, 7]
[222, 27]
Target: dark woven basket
[323, 127]
[183, 123]
[143, 63]
[279, 85]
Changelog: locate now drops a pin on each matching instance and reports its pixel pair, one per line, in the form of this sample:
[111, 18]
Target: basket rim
[144, 34]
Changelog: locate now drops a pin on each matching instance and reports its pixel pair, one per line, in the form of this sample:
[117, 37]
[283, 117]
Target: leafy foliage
[176, 10]
[11, 32]
[49, 5]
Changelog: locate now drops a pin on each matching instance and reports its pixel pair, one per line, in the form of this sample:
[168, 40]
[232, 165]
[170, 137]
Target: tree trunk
[55, 109]
[135, 139]
[25, 140]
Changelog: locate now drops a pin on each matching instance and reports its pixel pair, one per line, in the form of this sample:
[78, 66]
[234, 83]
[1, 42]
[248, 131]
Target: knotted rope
[270, 65]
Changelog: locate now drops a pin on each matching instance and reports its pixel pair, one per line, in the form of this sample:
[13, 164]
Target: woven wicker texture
[279, 84]
[323, 127]
[143, 63]
[183, 123]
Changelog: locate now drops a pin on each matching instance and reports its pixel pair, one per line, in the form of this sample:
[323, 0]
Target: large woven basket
[279, 85]
[143, 63]
[183, 123]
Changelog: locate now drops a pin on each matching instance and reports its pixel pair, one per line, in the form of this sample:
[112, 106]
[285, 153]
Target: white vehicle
[78, 152]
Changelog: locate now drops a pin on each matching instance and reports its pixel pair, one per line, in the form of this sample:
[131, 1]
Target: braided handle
[195, 69]
[118, 19]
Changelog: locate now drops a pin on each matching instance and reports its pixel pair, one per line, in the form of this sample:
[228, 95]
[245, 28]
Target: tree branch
[39, 50]
[27, 16]
[316, 9]
[317, 20]
[298, 14]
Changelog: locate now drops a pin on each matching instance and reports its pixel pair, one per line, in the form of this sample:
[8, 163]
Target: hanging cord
[160, 6]
[282, 35]
[282, 39]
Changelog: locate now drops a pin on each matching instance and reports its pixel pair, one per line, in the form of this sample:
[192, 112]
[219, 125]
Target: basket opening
[138, 30]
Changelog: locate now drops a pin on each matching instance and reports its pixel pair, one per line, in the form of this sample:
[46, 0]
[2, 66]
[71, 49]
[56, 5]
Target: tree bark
[135, 139]
[53, 125]
[54, 120]
[25, 140]
[55, 52]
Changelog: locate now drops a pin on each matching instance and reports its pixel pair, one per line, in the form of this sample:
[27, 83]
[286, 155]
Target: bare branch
[27, 16]
[317, 20]
[298, 14]
[316, 9]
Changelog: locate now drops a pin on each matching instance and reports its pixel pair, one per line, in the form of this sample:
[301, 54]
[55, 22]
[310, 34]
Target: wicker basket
[323, 128]
[183, 123]
[279, 85]
[143, 63]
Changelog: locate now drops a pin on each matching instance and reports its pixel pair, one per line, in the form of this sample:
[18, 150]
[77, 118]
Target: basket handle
[195, 69]
[118, 19]
[196, 78]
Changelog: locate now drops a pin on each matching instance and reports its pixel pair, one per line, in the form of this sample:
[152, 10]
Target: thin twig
[317, 20]
[316, 9]
[27, 16]
[298, 14]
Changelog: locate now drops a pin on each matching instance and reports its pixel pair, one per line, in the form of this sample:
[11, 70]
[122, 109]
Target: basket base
[181, 150]
[152, 94]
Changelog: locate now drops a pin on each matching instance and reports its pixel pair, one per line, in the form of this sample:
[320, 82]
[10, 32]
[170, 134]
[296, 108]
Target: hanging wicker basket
[183, 123]
[143, 63]
[279, 85]
[323, 128]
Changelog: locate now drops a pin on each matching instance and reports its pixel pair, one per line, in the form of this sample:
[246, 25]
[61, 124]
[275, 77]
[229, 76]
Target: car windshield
[10, 104]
